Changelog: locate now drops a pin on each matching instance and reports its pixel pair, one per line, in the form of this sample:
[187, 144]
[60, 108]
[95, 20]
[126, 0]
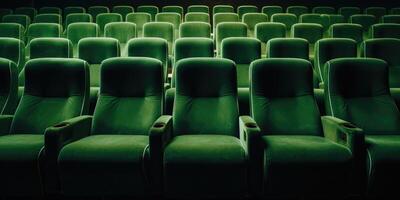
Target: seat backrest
[386, 49]
[198, 8]
[123, 10]
[14, 50]
[139, 19]
[50, 48]
[331, 48]
[357, 90]
[171, 17]
[23, 20]
[28, 11]
[347, 30]
[47, 18]
[197, 17]
[12, 30]
[378, 12]
[73, 9]
[79, 30]
[224, 17]
[173, 9]
[223, 9]
[78, 17]
[95, 50]
[152, 10]
[252, 19]
[387, 30]
[288, 48]
[96, 10]
[164, 30]
[347, 12]
[268, 30]
[130, 98]
[105, 18]
[4, 12]
[229, 29]
[39, 30]
[285, 18]
[8, 86]
[310, 31]
[195, 29]
[284, 84]
[270, 10]
[122, 31]
[241, 10]
[297, 10]
[50, 10]
[391, 19]
[206, 97]
[335, 19]
[324, 10]
[366, 21]
[322, 20]
[57, 88]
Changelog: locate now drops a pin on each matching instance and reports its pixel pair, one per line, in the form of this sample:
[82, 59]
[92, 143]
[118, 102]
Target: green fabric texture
[152, 10]
[312, 32]
[285, 18]
[139, 19]
[334, 19]
[205, 166]
[50, 47]
[268, 30]
[224, 17]
[14, 50]
[123, 11]
[271, 10]
[330, 48]
[195, 29]
[305, 166]
[164, 30]
[77, 17]
[173, 9]
[347, 30]
[79, 30]
[229, 29]
[297, 10]
[122, 31]
[28, 11]
[271, 92]
[347, 12]
[205, 87]
[391, 19]
[104, 18]
[72, 10]
[324, 10]
[12, 30]
[94, 11]
[252, 19]
[9, 86]
[366, 21]
[223, 9]
[47, 18]
[88, 166]
[198, 8]
[385, 49]
[288, 48]
[385, 31]
[171, 17]
[23, 20]
[242, 51]
[244, 9]
[315, 19]
[197, 17]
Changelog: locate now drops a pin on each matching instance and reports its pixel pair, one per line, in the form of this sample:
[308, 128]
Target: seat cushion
[19, 164]
[104, 165]
[305, 165]
[383, 164]
[204, 166]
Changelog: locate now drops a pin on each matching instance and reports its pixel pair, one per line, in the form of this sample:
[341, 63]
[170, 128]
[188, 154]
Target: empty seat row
[128, 148]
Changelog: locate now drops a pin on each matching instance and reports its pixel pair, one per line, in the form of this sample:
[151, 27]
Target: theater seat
[23, 20]
[14, 50]
[244, 9]
[297, 10]
[227, 30]
[76, 17]
[324, 10]
[111, 158]
[348, 11]
[48, 18]
[366, 21]
[12, 30]
[198, 8]
[39, 30]
[8, 87]
[347, 30]
[103, 19]
[369, 106]
[122, 31]
[28, 11]
[222, 9]
[123, 11]
[139, 19]
[204, 156]
[173, 9]
[252, 19]
[50, 10]
[269, 30]
[386, 30]
[288, 151]
[96, 10]
[164, 30]
[72, 10]
[312, 32]
[376, 11]
[288, 48]
[152, 10]
[4, 12]
[285, 18]
[80, 30]
[270, 10]
[197, 17]
[391, 19]
[50, 48]
[60, 95]
[195, 29]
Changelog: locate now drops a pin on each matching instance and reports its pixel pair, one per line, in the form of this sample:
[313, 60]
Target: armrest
[5, 124]
[342, 132]
[57, 136]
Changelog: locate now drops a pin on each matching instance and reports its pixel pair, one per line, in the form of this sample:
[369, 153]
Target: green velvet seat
[322, 20]
[297, 10]
[252, 19]
[103, 19]
[290, 153]
[60, 95]
[139, 18]
[244, 9]
[242, 51]
[23, 20]
[50, 10]
[224, 17]
[122, 31]
[386, 30]
[227, 30]
[164, 30]
[324, 10]
[72, 10]
[198, 8]
[269, 30]
[391, 19]
[204, 156]
[39, 30]
[288, 48]
[366, 21]
[170, 17]
[77, 17]
[79, 30]
[96, 10]
[271, 10]
[195, 29]
[347, 30]
[173, 9]
[369, 106]
[112, 158]
[222, 9]
[376, 11]
[285, 18]
[312, 32]
[28, 11]
[197, 17]
[14, 50]
[331, 48]
[334, 19]
[47, 18]
[123, 11]
[9, 86]
[50, 48]
[12, 30]
[4, 12]
[152, 10]
[385, 49]
[348, 11]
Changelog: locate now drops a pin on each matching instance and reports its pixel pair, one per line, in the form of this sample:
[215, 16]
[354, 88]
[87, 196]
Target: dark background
[185, 3]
